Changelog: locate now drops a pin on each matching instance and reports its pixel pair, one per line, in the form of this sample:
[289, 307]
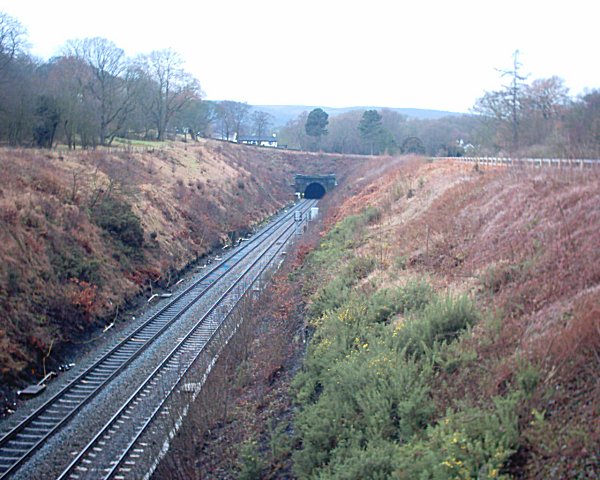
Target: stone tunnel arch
[315, 185]
[314, 190]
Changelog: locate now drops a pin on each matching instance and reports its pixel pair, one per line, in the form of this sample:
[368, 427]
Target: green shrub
[330, 297]
[528, 378]
[416, 294]
[364, 395]
[359, 268]
[70, 261]
[454, 356]
[400, 262]
[495, 276]
[383, 304]
[340, 332]
[371, 214]
[442, 320]
[375, 461]
[471, 443]
[369, 395]
[280, 444]
[346, 231]
[118, 220]
[498, 275]
[251, 463]
[13, 281]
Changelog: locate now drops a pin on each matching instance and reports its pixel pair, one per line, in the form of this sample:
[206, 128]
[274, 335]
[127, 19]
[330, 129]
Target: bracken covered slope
[524, 246]
[454, 329]
[82, 233]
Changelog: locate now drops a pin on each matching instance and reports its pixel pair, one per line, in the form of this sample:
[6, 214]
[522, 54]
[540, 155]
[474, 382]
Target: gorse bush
[251, 463]
[338, 291]
[330, 297]
[73, 262]
[337, 244]
[339, 333]
[368, 395]
[374, 461]
[371, 214]
[471, 443]
[359, 268]
[366, 385]
[385, 303]
[365, 395]
[121, 223]
[440, 321]
[528, 377]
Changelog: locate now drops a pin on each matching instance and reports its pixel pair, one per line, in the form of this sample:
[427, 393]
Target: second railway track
[32, 432]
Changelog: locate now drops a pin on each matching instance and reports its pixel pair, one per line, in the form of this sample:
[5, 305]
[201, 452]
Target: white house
[263, 141]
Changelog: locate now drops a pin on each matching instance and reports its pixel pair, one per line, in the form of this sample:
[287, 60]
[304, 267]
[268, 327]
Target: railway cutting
[95, 425]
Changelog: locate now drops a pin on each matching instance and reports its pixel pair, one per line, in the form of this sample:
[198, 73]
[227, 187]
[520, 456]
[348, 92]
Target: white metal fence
[529, 162]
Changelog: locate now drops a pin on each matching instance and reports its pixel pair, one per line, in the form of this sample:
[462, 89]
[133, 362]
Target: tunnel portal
[314, 190]
[314, 186]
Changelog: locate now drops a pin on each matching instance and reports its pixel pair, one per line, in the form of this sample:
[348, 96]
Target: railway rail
[19, 443]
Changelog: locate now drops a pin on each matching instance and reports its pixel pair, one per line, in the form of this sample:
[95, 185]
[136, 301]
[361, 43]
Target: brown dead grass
[189, 197]
[526, 245]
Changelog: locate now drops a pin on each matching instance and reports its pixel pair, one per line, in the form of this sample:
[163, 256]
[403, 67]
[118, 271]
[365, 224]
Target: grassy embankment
[82, 233]
[456, 329]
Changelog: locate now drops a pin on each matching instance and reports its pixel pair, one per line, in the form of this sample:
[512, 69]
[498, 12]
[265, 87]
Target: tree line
[91, 93]
[536, 119]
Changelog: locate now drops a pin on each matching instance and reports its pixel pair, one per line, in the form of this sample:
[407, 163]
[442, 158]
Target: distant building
[264, 141]
[469, 149]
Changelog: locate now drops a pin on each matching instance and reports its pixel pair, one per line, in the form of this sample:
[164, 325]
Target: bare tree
[261, 121]
[505, 106]
[65, 80]
[514, 96]
[547, 96]
[582, 127]
[342, 137]
[196, 118]
[12, 40]
[16, 80]
[232, 116]
[111, 82]
[294, 134]
[544, 103]
[174, 88]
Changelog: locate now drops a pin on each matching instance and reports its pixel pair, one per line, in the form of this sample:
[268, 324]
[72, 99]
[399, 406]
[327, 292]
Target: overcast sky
[422, 54]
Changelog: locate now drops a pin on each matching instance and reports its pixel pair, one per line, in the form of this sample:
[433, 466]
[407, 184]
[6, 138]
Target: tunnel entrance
[314, 190]
[314, 185]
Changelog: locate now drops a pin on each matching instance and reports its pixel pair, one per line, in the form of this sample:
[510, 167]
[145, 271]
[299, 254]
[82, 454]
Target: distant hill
[285, 113]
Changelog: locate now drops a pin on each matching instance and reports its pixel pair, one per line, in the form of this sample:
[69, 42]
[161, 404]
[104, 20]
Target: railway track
[28, 435]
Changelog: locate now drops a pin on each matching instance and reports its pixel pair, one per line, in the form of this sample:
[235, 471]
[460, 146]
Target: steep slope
[457, 328]
[452, 318]
[82, 233]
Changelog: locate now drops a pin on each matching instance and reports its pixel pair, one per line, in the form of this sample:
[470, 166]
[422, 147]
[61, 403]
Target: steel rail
[180, 348]
[118, 357]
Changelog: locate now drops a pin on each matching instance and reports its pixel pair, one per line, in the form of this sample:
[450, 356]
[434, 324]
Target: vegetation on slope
[449, 337]
[240, 424]
[82, 233]
[456, 332]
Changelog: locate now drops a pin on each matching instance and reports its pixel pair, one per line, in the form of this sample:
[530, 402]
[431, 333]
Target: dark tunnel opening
[314, 190]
